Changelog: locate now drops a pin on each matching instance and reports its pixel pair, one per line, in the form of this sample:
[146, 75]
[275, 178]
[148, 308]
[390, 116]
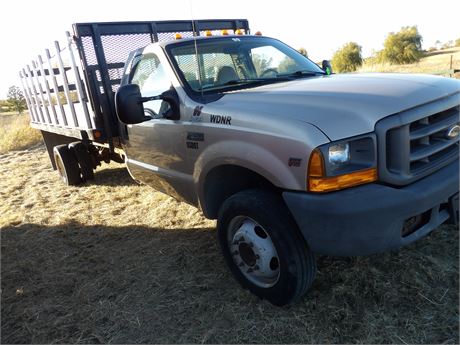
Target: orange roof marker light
[239, 32]
[258, 33]
[224, 32]
[177, 36]
[208, 33]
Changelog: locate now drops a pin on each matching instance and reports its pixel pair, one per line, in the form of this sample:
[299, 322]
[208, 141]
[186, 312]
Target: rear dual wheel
[263, 247]
[67, 165]
[73, 163]
[84, 160]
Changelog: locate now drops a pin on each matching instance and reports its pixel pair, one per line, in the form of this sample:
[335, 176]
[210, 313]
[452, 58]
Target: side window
[150, 75]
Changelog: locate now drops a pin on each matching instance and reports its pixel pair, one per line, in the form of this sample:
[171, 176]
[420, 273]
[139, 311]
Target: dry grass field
[16, 134]
[432, 63]
[111, 261]
[116, 262]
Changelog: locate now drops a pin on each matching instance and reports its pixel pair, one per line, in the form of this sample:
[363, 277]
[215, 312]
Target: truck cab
[177, 146]
[362, 163]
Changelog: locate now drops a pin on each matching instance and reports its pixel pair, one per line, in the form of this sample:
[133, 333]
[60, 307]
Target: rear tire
[84, 160]
[263, 247]
[67, 165]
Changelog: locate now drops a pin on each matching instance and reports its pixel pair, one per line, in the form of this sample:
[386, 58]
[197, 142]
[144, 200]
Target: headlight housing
[343, 164]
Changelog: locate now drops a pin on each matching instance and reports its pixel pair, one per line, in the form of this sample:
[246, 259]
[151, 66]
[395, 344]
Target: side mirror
[128, 104]
[326, 66]
[130, 109]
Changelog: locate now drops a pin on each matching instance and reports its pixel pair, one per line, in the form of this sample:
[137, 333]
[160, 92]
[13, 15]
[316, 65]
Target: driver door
[156, 148]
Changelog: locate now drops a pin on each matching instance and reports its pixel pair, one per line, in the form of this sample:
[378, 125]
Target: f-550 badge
[294, 162]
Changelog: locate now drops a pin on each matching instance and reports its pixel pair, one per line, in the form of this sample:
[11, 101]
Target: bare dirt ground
[114, 262]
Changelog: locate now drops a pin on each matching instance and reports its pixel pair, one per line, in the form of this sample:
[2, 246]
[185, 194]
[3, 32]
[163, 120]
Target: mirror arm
[151, 98]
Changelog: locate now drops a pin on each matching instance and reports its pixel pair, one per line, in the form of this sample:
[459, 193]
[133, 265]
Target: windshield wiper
[250, 81]
[303, 73]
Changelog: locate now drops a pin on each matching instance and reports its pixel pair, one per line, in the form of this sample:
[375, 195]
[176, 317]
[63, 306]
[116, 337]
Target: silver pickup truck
[291, 160]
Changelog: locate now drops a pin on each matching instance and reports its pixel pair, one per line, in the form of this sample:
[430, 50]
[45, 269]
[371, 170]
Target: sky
[322, 27]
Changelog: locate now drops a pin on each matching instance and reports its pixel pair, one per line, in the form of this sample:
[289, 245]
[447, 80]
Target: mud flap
[453, 210]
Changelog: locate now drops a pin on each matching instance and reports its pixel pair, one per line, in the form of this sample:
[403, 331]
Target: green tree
[402, 47]
[457, 42]
[348, 58]
[303, 51]
[16, 99]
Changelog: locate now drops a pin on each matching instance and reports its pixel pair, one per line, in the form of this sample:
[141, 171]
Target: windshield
[233, 62]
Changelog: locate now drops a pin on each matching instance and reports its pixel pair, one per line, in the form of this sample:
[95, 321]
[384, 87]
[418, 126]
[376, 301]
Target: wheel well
[226, 180]
[53, 139]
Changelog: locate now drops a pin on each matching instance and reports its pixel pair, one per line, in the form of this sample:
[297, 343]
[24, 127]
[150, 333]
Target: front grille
[414, 143]
[429, 142]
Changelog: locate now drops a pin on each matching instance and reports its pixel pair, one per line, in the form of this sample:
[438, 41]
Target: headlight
[343, 164]
[339, 154]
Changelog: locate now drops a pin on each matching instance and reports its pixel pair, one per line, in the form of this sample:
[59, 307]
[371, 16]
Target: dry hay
[16, 134]
[111, 262]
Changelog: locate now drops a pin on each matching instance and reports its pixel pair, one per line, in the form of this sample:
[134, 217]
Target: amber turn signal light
[329, 184]
[316, 165]
[318, 182]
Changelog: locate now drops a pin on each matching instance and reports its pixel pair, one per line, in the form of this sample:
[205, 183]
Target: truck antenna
[196, 48]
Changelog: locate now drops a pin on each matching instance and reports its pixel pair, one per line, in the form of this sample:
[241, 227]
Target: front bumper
[369, 219]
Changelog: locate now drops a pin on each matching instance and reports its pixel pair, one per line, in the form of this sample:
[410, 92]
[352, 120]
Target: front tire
[263, 247]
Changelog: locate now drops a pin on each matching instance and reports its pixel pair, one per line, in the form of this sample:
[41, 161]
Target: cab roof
[200, 38]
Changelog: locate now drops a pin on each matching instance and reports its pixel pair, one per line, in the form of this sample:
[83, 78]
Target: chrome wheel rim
[253, 252]
[60, 168]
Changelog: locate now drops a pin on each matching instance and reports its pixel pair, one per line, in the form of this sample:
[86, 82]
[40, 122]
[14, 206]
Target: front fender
[279, 152]
[250, 156]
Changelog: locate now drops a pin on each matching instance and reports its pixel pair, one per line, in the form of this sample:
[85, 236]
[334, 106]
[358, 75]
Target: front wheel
[263, 247]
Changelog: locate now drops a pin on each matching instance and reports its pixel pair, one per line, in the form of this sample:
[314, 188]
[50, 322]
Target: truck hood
[341, 105]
